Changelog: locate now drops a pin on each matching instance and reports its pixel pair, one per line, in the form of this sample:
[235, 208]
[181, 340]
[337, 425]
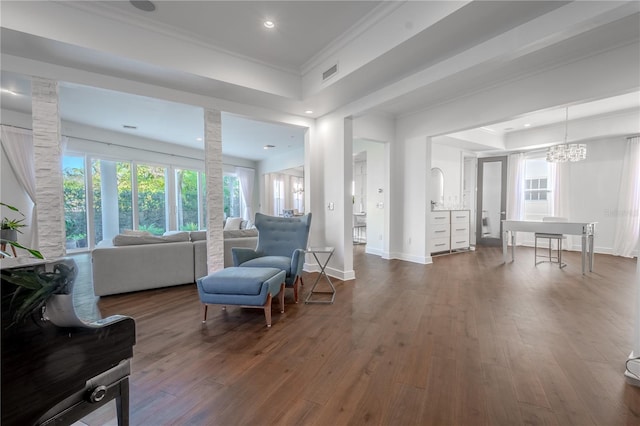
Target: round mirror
[437, 188]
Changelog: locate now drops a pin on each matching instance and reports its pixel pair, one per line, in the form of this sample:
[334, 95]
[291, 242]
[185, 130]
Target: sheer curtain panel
[515, 187]
[560, 184]
[18, 145]
[628, 213]
[246, 177]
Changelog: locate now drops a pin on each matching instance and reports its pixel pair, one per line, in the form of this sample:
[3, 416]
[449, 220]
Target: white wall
[568, 83]
[332, 152]
[595, 184]
[288, 160]
[375, 183]
[449, 160]
[377, 132]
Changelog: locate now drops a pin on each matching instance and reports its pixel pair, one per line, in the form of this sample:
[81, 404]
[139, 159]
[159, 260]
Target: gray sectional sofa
[141, 262]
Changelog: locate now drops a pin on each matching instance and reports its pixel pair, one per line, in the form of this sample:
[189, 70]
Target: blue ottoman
[246, 287]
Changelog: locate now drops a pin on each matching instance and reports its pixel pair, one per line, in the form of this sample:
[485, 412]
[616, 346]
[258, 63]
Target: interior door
[492, 200]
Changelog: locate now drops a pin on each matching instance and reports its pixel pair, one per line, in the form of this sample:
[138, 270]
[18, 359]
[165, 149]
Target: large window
[188, 199]
[112, 198]
[152, 212]
[124, 195]
[537, 189]
[297, 184]
[232, 196]
[75, 201]
[278, 195]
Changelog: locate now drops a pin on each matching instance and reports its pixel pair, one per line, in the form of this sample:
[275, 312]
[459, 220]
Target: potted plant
[27, 287]
[9, 229]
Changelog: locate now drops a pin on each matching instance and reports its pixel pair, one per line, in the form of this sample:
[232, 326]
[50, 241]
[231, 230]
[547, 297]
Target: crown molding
[381, 11]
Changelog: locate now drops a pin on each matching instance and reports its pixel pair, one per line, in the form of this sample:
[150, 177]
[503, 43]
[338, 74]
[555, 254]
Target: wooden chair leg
[204, 312]
[296, 289]
[281, 298]
[267, 310]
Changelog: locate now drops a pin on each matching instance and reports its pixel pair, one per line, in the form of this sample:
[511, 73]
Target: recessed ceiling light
[128, 126]
[144, 5]
[308, 111]
[269, 24]
[269, 146]
[11, 92]
[527, 125]
[199, 139]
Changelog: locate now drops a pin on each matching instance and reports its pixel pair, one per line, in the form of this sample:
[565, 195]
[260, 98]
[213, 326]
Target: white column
[213, 171]
[109, 197]
[48, 162]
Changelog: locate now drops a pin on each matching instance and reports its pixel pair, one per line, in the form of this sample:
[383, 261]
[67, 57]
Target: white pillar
[48, 164]
[213, 172]
[109, 197]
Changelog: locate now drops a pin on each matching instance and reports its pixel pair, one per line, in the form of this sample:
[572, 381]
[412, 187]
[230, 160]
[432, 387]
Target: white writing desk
[585, 229]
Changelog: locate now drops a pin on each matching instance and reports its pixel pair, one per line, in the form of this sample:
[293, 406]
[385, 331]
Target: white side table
[315, 251]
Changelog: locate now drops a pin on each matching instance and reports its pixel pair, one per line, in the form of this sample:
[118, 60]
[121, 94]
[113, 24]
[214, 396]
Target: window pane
[203, 201]
[112, 205]
[543, 183]
[543, 195]
[187, 193]
[298, 193]
[151, 199]
[527, 183]
[534, 183]
[75, 201]
[231, 186]
[125, 198]
[97, 200]
[278, 196]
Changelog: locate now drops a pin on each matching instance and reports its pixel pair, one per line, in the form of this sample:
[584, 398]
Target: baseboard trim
[332, 272]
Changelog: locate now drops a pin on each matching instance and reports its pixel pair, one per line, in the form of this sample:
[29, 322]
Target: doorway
[492, 200]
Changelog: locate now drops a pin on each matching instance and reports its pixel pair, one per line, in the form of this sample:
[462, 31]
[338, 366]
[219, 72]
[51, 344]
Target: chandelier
[566, 151]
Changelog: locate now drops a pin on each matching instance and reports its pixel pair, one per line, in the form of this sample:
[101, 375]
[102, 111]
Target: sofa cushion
[133, 240]
[281, 262]
[232, 223]
[198, 235]
[240, 281]
[240, 233]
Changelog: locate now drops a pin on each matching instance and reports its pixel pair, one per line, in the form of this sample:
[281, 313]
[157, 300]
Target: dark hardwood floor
[465, 341]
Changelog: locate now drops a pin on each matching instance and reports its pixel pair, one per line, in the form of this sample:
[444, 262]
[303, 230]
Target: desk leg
[591, 250]
[505, 240]
[584, 250]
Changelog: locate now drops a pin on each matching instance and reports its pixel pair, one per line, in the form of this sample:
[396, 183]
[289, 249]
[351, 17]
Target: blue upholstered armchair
[281, 244]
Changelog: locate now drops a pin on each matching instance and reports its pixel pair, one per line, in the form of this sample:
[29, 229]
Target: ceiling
[393, 58]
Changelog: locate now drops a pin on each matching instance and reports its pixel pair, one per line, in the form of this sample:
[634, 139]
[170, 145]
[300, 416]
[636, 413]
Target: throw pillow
[232, 223]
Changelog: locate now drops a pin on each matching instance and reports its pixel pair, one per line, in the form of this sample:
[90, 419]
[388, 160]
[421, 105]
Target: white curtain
[515, 187]
[628, 223]
[246, 177]
[560, 184]
[18, 145]
[268, 205]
